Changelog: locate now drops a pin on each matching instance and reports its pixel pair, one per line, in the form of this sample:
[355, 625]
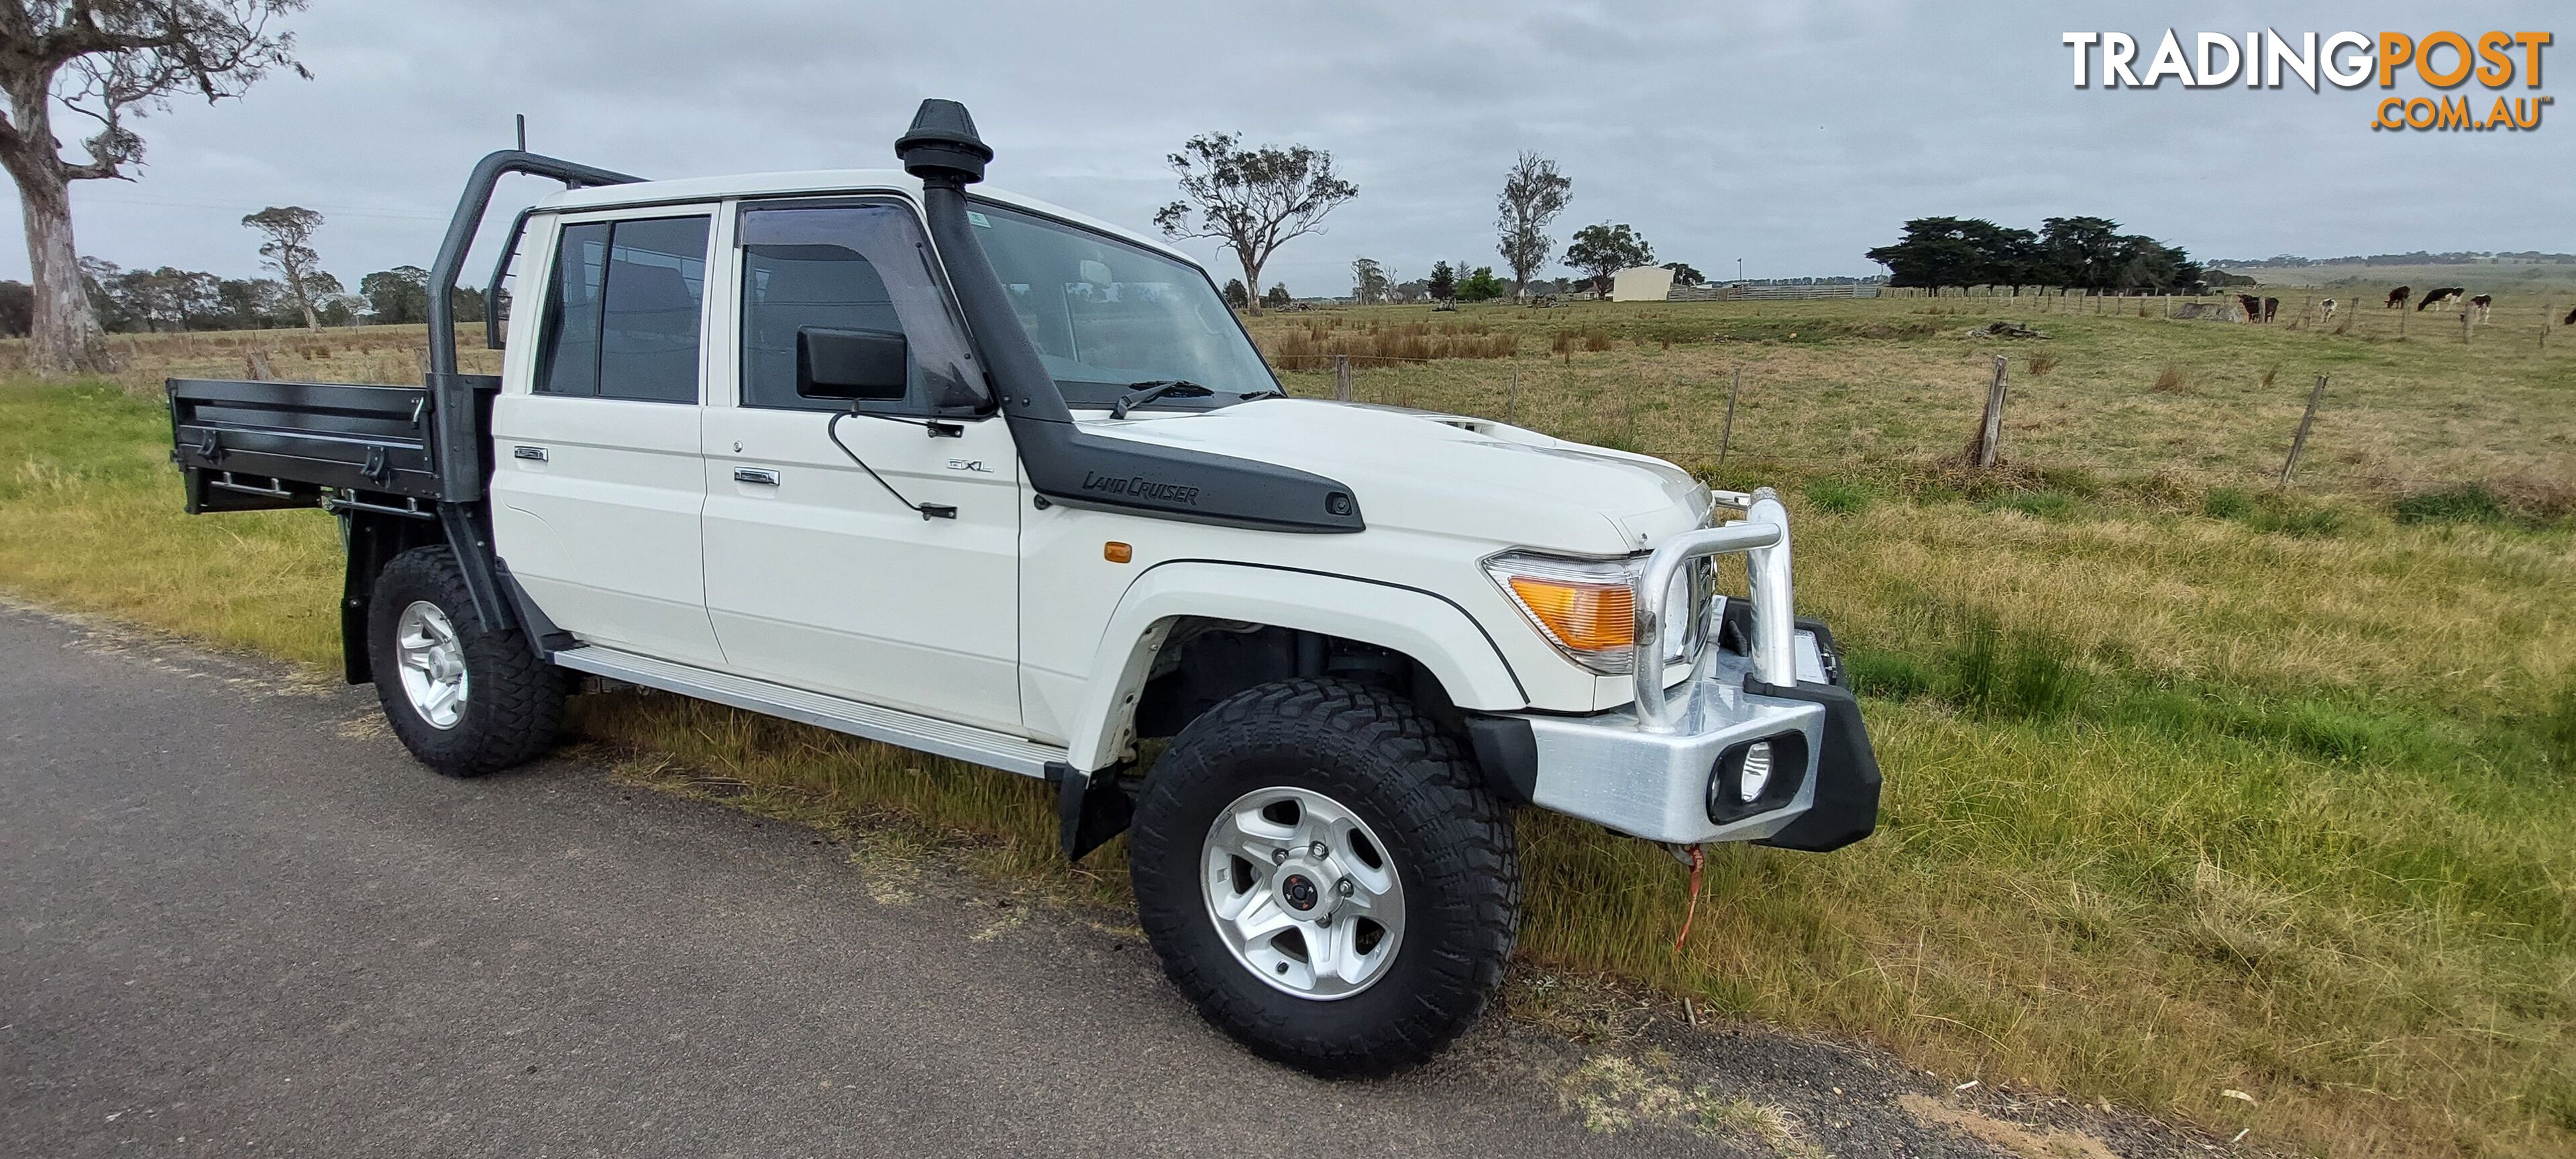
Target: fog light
[1756, 774]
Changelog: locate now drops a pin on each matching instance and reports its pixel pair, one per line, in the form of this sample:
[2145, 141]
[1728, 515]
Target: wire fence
[1511, 396]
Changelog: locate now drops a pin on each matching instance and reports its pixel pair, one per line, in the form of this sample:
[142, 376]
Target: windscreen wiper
[1140, 393]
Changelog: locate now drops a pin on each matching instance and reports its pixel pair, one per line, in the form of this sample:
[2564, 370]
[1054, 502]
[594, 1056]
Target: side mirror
[852, 365]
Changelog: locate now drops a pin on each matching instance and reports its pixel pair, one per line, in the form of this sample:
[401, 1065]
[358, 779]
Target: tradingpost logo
[2496, 61]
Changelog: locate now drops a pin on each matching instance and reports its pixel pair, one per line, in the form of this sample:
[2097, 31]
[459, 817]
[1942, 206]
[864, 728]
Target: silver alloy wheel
[433, 664]
[1303, 892]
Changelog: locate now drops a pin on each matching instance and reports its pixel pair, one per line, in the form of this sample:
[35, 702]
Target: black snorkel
[1066, 464]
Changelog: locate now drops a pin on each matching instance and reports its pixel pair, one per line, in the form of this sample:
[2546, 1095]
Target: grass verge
[2179, 801]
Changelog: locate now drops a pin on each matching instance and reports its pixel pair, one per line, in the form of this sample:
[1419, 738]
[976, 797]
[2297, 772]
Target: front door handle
[759, 475]
[532, 454]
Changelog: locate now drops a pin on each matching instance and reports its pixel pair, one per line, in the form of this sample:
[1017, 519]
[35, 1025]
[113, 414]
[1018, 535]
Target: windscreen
[1106, 315]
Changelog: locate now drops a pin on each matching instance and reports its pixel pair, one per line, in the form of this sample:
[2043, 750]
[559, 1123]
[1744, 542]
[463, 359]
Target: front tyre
[465, 700]
[1324, 875]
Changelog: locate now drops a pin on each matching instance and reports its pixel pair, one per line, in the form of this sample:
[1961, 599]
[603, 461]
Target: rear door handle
[762, 476]
[532, 454]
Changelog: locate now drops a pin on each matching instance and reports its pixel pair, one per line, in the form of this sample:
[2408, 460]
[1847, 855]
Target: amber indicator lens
[1588, 616]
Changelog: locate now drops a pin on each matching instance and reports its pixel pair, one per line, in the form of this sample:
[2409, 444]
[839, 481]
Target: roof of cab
[812, 182]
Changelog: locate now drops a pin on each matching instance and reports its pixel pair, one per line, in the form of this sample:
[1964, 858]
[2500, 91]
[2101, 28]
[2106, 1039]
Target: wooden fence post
[2547, 311]
[2299, 442]
[1341, 378]
[1726, 436]
[1512, 401]
[2464, 326]
[1990, 432]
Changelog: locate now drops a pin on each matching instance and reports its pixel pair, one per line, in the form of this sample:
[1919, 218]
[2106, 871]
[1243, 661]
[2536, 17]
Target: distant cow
[2271, 306]
[2445, 294]
[2482, 303]
[2571, 319]
[2329, 305]
[2253, 307]
[2397, 297]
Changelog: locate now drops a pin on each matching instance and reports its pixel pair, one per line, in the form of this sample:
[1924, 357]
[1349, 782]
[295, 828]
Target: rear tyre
[1324, 875]
[465, 700]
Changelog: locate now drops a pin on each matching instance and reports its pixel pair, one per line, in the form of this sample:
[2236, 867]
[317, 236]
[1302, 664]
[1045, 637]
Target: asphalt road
[239, 920]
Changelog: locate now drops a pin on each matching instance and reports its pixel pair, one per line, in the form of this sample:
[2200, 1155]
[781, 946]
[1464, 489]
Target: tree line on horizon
[2077, 253]
[2411, 258]
[167, 299]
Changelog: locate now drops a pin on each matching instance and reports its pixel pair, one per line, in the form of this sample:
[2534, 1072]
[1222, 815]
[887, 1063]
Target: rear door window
[624, 309]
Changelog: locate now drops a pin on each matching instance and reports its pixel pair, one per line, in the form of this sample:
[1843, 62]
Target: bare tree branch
[1253, 200]
[111, 62]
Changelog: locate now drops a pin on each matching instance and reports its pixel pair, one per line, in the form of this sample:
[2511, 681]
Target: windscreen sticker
[974, 218]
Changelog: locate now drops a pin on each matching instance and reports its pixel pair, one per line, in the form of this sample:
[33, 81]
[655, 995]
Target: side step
[959, 741]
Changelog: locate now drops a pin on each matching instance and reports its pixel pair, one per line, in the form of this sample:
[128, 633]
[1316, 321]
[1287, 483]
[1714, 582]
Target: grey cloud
[1792, 136]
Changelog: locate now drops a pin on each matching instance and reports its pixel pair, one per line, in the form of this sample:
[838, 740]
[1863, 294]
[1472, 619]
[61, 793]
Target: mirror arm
[832, 431]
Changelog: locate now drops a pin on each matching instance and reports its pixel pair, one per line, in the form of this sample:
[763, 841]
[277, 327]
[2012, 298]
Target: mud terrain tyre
[464, 700]
[1323, 873]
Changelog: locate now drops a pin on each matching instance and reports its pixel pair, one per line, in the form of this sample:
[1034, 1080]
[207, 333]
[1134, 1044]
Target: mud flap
[1090, 808]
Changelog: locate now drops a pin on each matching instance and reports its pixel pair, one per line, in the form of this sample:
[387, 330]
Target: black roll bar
[459, 438]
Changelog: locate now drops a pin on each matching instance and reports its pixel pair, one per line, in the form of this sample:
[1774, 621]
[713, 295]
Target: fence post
[2548, 310]
[1512, 401]
[1341, 378]
[2464, 326]
[1726, 436]
[1990, 432]
[2299, 442]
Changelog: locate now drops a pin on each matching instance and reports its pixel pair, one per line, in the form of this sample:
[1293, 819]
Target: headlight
[1588, 607]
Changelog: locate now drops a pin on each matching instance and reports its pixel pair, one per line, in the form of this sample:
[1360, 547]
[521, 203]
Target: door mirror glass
[851, 365]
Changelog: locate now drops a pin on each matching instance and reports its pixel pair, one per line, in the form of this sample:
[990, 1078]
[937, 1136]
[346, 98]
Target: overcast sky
[1790, 136]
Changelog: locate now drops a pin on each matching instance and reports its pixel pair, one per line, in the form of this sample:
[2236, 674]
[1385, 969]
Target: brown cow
[2482, 304]
[2253, 307]
[2571, 319]
[2271, 306]
[2397, 297]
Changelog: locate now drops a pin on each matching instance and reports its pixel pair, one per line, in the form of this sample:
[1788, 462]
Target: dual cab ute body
[989, 479]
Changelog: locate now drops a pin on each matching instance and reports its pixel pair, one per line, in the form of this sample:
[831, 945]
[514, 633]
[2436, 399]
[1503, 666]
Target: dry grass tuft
[1314, 346]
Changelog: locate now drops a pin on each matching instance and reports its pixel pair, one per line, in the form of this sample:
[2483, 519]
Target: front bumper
[1654, 784]
[1665, 767]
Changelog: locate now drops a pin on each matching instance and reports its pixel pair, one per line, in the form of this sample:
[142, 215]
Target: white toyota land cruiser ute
[985, 478]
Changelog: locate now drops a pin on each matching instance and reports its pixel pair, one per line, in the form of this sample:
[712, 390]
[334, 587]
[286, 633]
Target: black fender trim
[1508, 753]
[1847, 778]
